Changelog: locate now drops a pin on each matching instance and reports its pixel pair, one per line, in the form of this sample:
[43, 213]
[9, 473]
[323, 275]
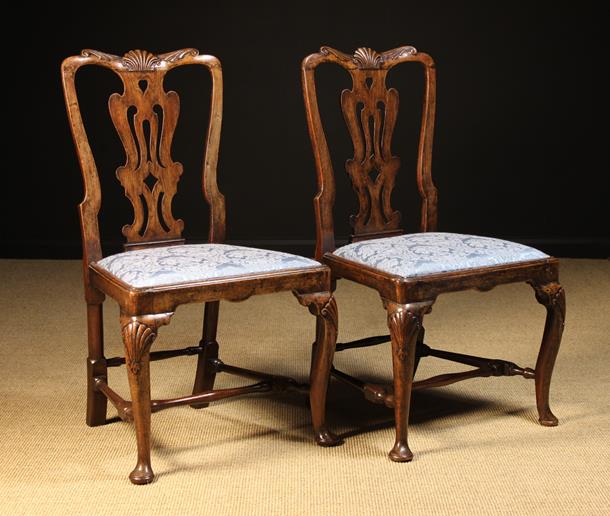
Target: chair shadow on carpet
[349, 414]
[348, 408]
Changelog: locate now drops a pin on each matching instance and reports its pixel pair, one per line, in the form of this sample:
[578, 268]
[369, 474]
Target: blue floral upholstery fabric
[196, 262]
[419, 254]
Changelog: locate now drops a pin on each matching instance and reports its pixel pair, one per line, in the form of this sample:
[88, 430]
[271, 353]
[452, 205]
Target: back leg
[97, 403]
[419, 349]
[206, 370]
[324, 307]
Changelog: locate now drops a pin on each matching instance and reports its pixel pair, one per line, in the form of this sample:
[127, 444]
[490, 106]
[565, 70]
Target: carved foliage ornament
[321, 304]
[552, 296]
[141, 60]
[368, 59]
[549, 294]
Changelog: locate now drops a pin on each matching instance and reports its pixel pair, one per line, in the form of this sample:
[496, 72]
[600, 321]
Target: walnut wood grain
[370, 111]
[206, 372]
[267, 383]
[160, 355]
[420, 288]
[97, 366]
[405, 323]
[234, 288]
[123, 407]
[139, 332]
[147, 147]
[484, 367]
[553, 297]
[324, 307]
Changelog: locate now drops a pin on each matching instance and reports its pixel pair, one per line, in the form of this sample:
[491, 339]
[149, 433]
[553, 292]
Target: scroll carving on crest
[145, 117]
[368, 59]
[141, 60]
[370, 111]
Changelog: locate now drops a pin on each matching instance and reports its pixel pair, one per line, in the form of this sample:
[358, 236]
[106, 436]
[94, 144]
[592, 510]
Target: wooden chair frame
[144, 310]
[408, 299]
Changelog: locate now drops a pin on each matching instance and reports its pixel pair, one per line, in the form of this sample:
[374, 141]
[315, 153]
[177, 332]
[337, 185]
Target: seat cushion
[419, 254]
[158, 266]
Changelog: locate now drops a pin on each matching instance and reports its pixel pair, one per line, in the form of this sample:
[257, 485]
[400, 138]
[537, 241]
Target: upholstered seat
[419, 254]
[159, 266]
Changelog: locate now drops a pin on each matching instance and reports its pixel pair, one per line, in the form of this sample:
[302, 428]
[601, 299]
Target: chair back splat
[370, 110]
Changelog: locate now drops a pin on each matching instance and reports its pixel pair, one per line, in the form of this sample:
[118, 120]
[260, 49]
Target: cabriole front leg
[139, 332]
[552, 296]
[324, 307]
[405, 324]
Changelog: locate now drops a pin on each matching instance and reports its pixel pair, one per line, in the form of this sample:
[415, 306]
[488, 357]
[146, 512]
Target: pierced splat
[145, 117]
[370, 111]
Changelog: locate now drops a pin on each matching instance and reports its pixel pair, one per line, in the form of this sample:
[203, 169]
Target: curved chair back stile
[145, 117]
[370, 110]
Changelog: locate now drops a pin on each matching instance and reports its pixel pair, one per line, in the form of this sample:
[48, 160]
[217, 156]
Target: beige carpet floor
[478, 447]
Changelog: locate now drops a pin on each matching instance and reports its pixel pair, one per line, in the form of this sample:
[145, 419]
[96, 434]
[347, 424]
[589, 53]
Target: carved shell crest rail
[370, 111]
[368, 59]
[141, 60]
[145, 117]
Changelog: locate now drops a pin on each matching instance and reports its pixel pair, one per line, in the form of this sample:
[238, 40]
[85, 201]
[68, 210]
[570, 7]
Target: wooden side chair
[410, 270]
[158, 271]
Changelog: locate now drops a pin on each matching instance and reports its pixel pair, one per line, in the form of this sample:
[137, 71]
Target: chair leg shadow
[348, 409]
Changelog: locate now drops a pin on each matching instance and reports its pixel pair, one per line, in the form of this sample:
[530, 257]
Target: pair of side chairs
[158, 271]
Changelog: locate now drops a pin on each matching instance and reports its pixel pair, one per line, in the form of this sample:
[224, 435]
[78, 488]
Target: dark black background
[517, 151]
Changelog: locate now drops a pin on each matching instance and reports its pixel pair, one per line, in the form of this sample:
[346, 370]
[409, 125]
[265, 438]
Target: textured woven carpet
[478, 447]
